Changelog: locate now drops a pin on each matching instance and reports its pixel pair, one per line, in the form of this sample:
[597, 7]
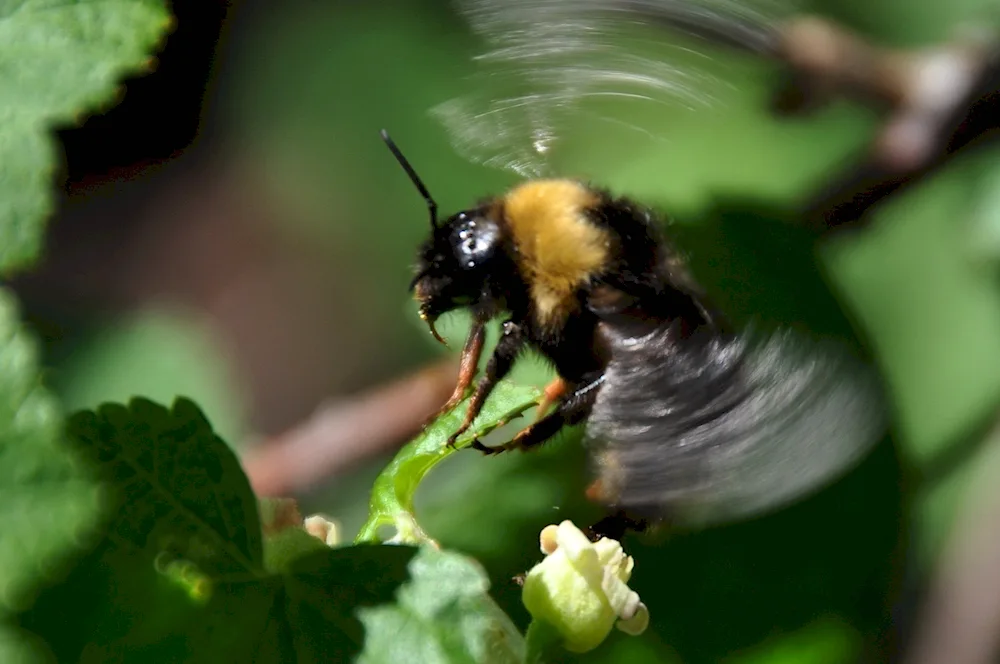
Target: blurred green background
[261, 269]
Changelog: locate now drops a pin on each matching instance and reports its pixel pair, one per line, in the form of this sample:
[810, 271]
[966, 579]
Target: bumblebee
[688, 419]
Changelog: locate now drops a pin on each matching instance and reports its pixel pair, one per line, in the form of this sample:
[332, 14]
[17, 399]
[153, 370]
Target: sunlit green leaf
[391, 501]
[49, 503]
[57, 60]
[443, 615]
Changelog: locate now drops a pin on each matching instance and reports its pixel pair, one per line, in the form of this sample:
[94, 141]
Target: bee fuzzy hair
[715, 428]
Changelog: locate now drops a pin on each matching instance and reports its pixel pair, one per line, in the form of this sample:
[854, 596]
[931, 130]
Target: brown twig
[935, 102]
[344, 433]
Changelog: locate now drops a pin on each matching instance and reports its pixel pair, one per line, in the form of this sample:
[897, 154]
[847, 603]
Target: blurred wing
[714, 429]
[549, 62]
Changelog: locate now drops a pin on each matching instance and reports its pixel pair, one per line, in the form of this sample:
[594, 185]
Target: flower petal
[637, 624]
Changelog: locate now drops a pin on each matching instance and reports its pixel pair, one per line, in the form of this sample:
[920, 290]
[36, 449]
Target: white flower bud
[581, 588]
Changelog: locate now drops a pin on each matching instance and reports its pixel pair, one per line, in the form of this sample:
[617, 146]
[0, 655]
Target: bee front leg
[511, 343]
[571, 410]
[471, 353]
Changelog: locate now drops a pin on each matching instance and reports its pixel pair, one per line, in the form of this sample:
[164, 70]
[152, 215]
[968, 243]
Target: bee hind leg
[554, 391]
[573, 409]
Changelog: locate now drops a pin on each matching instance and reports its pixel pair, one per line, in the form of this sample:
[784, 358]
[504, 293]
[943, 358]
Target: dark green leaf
[306, 615]
[175, 487]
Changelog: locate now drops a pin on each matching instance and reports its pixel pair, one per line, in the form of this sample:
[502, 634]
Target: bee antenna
[417, 182]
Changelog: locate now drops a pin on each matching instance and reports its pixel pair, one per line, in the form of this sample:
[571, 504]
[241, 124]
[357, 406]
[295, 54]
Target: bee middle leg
[571, 410]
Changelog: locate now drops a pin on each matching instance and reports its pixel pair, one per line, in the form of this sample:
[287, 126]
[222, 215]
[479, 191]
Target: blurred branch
[935, 102]
[344, 433]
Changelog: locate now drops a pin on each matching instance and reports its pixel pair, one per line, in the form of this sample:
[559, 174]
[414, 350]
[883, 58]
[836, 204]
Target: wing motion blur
[717, 428]
[548, 63]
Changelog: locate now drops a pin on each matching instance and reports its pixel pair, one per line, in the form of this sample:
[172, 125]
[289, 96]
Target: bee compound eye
[474, 242]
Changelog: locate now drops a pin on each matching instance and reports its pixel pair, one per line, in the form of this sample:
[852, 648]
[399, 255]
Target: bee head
[454, 264]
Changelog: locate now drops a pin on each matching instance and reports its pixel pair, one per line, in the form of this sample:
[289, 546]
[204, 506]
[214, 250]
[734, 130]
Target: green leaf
[176, 488]
[181, 552]
[391, 501]
[324, 589]
[50, 505]
[57, 59]
[443, 614]
[304, 615]
[181, 572]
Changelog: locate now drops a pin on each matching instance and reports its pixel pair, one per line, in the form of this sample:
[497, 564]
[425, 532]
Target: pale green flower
[581, 588]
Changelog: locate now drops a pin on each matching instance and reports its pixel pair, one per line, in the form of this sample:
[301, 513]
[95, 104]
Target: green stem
[392, 494]
[541, 640]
